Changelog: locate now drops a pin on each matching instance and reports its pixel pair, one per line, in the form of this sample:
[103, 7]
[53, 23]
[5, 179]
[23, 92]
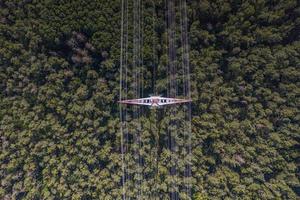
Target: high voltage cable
[173, 91]
[186, 53]
[135, 88]
[186, 88]
[120, 108]
[139, 95]
[126, 92]
[154, 50]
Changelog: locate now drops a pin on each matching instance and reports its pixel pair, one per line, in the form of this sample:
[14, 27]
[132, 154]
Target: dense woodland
[59, 81]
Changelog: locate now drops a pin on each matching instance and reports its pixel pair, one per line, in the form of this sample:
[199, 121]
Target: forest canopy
[59, 81]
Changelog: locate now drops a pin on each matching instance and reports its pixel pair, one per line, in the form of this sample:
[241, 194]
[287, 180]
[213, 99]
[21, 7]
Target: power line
[120, 108]
[132, 157]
